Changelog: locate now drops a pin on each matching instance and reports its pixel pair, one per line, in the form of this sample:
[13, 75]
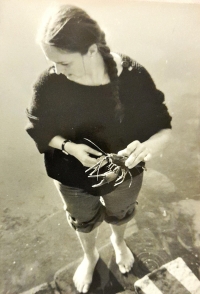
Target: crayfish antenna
[95, 145]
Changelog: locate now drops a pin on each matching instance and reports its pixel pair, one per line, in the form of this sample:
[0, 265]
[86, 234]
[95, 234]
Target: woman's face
[67, 63]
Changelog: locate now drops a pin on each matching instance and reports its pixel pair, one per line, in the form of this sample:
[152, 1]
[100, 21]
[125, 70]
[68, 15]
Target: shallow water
[36, 239]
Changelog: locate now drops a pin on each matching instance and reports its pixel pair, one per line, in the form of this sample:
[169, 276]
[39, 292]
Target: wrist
[63, 146]
[69, 148]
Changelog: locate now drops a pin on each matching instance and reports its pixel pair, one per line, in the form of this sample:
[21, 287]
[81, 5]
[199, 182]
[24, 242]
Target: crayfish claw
[99, 184]
[96, 176]
[106, 178]
[115, 166]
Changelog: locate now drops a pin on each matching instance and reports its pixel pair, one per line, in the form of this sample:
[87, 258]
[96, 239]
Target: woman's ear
[92, 50]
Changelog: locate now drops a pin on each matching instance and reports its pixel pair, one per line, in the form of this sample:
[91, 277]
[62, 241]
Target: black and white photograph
[100, 146]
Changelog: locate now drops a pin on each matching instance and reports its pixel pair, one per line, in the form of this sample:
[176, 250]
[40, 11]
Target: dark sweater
[62, 107]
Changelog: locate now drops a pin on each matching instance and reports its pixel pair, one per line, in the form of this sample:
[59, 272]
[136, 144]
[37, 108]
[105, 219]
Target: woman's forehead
[56, 54]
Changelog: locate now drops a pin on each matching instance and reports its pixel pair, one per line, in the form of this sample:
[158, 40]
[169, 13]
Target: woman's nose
[59, 69]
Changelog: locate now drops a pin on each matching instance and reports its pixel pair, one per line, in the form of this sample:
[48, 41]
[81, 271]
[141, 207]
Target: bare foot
[84, 273]
[124, 256]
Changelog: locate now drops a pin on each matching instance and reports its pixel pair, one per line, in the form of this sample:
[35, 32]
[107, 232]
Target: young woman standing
[90, 103]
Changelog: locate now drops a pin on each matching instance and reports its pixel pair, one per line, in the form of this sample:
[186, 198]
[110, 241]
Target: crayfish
[115, 165]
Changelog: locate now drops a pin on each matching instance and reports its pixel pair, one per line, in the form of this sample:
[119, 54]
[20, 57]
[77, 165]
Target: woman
[90, 103]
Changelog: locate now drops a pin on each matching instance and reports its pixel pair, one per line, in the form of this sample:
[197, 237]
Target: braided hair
[70, 28]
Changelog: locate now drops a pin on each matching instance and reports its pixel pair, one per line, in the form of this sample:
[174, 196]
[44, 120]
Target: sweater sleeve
[151, 111]
[41, 113]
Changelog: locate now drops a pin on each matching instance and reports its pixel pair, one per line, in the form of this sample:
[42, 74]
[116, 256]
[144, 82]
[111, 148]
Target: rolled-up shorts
[85, 212]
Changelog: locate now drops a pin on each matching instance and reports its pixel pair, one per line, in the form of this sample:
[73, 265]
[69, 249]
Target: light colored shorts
[85, 212]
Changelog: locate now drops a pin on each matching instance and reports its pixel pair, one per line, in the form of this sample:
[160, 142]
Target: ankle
[117, 240]
[93, 254]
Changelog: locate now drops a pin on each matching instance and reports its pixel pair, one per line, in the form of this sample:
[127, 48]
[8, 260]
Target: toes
[125, 261]
[129, 268]
[125, 268]
[81, 287]
[122, 269]
[85, 288]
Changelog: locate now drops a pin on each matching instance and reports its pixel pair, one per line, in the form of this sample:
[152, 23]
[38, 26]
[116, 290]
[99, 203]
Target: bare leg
[124, 257]
[84, 273]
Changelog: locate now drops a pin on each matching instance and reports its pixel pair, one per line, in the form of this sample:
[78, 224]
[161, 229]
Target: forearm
[57, 141]
[154, 146]
[158, 142]
[80, 151]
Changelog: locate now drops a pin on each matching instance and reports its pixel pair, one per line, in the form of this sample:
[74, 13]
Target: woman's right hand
[82, 153]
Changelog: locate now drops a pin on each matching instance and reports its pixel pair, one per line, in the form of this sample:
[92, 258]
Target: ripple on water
[150, 261]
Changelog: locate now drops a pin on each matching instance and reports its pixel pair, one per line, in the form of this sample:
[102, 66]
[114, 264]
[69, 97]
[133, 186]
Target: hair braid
[113, 75]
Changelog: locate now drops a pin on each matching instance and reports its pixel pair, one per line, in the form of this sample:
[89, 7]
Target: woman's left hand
[136, 152]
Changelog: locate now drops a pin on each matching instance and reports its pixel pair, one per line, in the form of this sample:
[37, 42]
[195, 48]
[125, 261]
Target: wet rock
[42, 289]
[104, 281]
[63, 279]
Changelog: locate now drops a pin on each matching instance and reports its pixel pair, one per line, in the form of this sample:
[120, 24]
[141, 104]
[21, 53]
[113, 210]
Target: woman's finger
[129, 149]
[92, 151]
[138, 150]
[123, 152]
[147, 157]
[89, 161]
[132, 161]
[133, 146]
[136, 154]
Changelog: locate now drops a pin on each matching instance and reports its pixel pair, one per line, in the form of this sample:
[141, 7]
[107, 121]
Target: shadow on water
[151, 250]
[104, 280]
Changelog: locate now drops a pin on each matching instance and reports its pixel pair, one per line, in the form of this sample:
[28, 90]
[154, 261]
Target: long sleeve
[151, 112]
[42, 114]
